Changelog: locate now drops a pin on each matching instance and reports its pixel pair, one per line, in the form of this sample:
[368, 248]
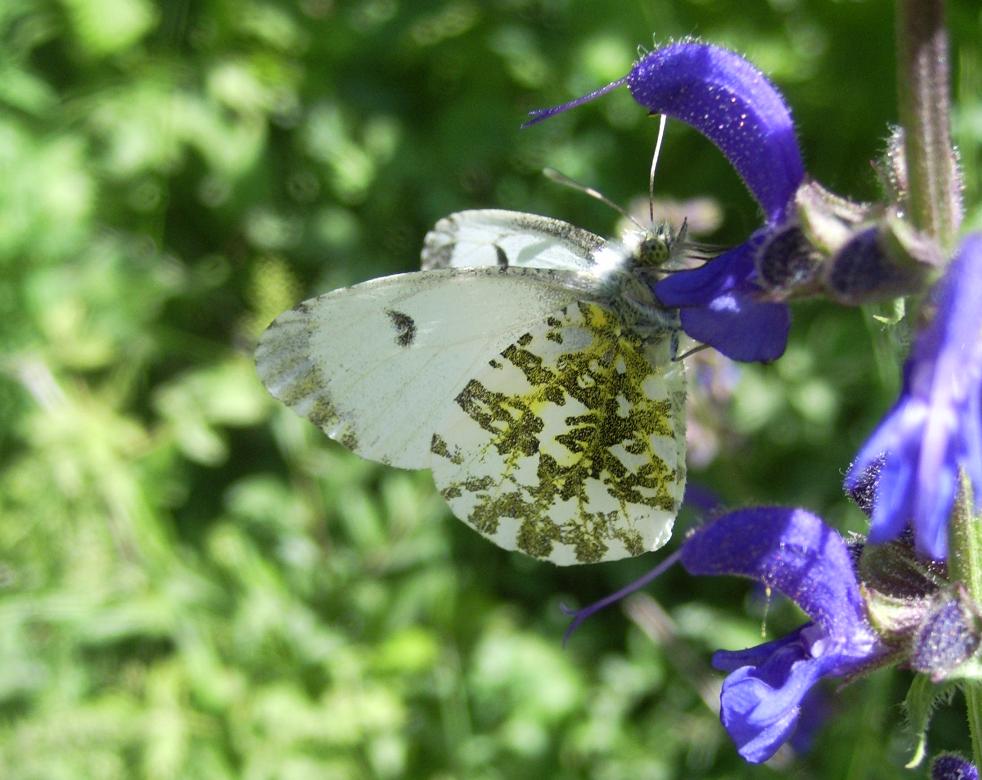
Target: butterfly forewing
[377, 365]
[569, 444]
[494, 237]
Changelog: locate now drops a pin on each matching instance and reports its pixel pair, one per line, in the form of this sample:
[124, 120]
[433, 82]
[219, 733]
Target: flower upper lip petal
[735, 106]
[791, 550]
[728, 100]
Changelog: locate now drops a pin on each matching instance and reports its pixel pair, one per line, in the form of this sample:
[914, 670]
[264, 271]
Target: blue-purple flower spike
[733, 104]
[935, 427]
[794, 552]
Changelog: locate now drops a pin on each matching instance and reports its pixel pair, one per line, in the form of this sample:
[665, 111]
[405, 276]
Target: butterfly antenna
[654, 165]
[561, 178]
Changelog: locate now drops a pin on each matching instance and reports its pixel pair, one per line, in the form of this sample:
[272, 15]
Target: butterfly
[528, 366]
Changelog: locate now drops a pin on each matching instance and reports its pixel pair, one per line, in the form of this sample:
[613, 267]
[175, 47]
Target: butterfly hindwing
[495, 237]
[377, 365]
[569, 444]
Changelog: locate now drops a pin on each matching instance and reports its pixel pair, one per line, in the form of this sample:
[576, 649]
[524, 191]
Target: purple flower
[792, 551]
[935, 427]
[733, 104]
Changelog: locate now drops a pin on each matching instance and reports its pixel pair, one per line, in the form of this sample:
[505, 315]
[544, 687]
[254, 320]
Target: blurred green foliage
[196, 584]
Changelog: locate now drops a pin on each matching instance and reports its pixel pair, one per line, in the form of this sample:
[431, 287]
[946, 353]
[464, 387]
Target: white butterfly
[528, 365]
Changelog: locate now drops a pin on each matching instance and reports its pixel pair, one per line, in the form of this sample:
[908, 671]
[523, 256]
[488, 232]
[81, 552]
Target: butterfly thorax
[637, 305]
[628, 269]
[628, 291]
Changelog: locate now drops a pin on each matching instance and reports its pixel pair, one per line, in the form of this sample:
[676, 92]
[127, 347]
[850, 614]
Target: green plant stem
[973, 703]
[965, 565]
[925, 113]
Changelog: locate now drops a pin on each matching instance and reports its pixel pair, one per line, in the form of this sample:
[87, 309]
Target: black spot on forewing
[405, 327]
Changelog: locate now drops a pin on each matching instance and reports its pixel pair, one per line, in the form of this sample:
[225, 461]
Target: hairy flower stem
[965, 565]
[973, 703]
[925, 113]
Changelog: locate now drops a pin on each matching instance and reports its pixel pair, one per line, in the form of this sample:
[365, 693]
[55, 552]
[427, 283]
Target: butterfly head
[657, 245]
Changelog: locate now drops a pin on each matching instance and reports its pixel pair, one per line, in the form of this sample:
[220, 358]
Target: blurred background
[194, 583]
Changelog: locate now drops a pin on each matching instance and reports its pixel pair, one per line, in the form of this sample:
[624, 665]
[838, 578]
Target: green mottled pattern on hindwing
[439, 446]
[515, 426]
[572, 442]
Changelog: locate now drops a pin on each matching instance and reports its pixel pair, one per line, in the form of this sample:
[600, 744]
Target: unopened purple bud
[950, 766]
[948, 636]
[863, 271]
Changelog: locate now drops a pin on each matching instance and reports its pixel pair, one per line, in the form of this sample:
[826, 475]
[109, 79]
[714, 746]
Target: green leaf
[922, 699]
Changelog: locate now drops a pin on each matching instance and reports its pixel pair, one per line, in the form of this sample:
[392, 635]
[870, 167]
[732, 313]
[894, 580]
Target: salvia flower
[869, 606]
[935, 427]
[732, 103]
[794, 552]
[765, 698]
